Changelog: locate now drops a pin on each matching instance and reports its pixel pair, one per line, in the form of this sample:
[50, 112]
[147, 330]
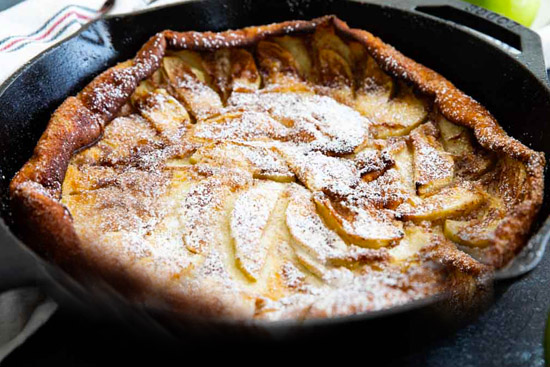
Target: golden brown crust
[79, 121]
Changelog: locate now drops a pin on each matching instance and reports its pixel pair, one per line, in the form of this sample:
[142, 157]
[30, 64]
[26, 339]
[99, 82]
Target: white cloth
[32, 26]
[26, 30]
[22, 312]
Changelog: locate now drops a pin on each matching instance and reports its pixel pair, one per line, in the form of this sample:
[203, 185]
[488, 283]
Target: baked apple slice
[344, 130]
[319, 172]
[166, 114]
[455, 138]
[336, 76]
[262, 162]
[309, 262]
[470, 160]
[279, 69]
[189, 81]
[325, 38]
[333, 64]
[307, 228]
[297, 47]
[410, 245]
[374, 87]
[202, 209]
[365, 227]
[471, 233]
[239, 126]
[233, 71]
[371, 163]
[391, 105]
[245, 77]
[86, 177]
[329, 126]
[249, 218]
[316, 245]
[124, 139]
[433, 166]
[449, 202]
[396, 116]
[480, 231]
[401, 155]
[369, 76]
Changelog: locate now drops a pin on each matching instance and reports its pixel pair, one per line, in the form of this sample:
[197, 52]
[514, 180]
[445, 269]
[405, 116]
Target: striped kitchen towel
[32, 26]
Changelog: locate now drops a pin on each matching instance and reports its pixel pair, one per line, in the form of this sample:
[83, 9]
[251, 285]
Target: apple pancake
[290, 171]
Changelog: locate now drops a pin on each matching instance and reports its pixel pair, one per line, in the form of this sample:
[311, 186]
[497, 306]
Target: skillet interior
[473, 65]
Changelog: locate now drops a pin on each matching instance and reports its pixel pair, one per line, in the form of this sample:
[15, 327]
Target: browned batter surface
[294, 176]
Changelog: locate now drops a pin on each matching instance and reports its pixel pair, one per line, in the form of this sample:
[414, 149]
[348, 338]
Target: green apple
[522, 11]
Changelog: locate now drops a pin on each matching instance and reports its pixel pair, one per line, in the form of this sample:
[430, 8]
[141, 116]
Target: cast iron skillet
[491, 58]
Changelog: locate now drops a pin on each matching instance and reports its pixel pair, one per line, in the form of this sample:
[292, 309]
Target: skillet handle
[18, 268]
[513, 38]
[529, 257]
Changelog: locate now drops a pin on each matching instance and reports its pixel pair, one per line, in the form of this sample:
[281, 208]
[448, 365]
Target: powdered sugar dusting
[248, 220]
[308, 229]
[432, 163]
[201, 203]
[240, 127]
[196, 192]
[335, 127]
